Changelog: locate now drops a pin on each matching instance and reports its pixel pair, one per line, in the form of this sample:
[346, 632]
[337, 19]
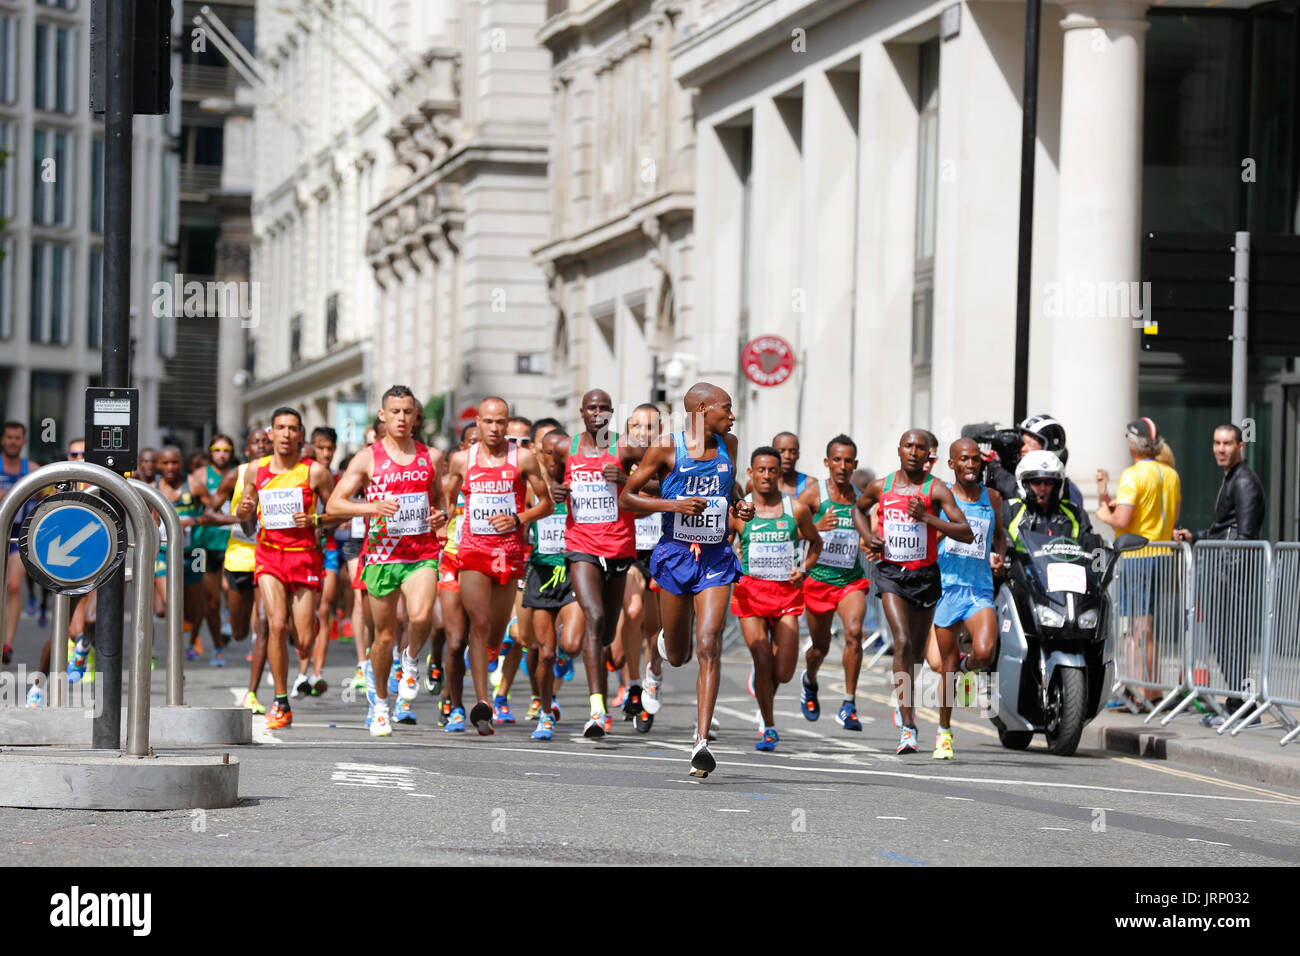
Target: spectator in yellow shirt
[1148, 503]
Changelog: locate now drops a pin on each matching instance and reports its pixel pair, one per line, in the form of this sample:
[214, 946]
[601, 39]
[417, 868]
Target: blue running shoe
[768, 740]
[545, 728]
[370, 713]
[848, 716]
[402, 714]
[456, 722]
[563, 666]
[77, 662]
[501, 711]
[808, 705]
[30, 609]
[394, 679]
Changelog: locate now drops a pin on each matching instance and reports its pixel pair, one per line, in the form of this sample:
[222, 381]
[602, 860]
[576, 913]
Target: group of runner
[529, 545]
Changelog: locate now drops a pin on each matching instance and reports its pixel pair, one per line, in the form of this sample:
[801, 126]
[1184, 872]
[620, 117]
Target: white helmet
[1039, 464]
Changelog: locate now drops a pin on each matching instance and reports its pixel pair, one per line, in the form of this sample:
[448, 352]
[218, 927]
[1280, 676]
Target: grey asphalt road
[325, 792]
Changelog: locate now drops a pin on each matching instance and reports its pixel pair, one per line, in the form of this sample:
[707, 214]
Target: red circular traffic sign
[469, 414]
[767, 360]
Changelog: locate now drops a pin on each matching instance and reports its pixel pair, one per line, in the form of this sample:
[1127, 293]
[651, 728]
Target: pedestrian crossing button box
[113, 428]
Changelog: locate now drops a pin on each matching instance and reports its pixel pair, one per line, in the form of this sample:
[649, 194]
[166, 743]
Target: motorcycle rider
[1045, 433]
[1040, 507]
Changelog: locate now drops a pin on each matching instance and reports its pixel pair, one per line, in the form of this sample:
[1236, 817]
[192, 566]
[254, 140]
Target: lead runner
[406, 508]
[693, 564]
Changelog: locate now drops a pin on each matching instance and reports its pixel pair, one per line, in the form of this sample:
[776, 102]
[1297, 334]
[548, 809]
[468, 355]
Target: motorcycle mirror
[1130, 542]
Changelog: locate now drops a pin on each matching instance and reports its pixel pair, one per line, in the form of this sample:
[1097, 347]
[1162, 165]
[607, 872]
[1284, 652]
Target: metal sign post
[175, 590]
[57, 550]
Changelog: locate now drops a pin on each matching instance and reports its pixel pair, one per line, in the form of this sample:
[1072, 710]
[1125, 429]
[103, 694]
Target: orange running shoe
[280, 716]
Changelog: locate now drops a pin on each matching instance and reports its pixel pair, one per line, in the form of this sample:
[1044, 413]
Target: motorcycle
[1055, 662]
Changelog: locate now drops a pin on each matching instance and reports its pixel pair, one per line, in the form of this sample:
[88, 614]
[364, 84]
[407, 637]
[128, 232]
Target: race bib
[357, 528]
[482, 507]
[904, 541]
[593, 502]
[460, 529]
[550, 535]
[412, 515]
[976, 549]
[708, 527]
[279, 505]
[771, 560]
[839, 548]
[649, 529]
[1067, 577]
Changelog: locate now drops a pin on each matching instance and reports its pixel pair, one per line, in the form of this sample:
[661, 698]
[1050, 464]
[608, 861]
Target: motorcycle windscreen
[1059, 564]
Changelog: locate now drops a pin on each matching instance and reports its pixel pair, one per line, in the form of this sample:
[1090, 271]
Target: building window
[97, 185]
[52, 172]
[48, 403]
[332, 321]
[6, 287]
[51, 274]
[8, 58]
[95, 301]
[250, 358]
[55, 70]
[927, 190]
[8, 147]
[61, 4]
[295, 340]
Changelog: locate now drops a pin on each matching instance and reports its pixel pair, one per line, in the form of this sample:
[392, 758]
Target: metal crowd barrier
[1281, 685]
[1230, 623]
[1148, 596]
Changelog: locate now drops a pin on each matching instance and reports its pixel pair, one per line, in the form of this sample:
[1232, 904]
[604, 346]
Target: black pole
[115, 371]
[1028, 142]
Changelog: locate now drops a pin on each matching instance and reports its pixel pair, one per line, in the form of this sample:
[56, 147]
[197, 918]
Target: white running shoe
[702, 762]
[302, 686]
[650, 699]
[409, 685]
[663, 648]
[380, 725]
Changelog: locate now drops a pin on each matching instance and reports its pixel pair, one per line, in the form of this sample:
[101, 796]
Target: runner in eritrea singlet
[596, 525]
[406, 537]
[838, 564]
[909, 542]
[769, 547]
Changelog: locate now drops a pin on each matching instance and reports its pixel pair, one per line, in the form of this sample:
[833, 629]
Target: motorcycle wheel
[1016, 739]
[1065, 703]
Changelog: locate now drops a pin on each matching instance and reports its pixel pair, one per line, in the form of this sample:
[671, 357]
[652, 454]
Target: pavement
[324, 792]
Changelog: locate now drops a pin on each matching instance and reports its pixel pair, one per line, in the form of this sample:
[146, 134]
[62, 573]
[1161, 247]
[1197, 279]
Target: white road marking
[805, 732]
[1240, 820]
[891, 818]
[1059, 829]
[726, 810]
[533, 773]
[379, 776]
[966, 799]
[1210, 842]
[826, 789]
[994, 781]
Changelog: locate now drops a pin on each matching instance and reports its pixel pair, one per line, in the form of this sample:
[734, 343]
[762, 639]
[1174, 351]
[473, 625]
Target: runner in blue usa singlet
[693, 553]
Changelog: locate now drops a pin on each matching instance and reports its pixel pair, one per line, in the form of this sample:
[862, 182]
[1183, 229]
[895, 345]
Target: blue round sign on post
[70, 541]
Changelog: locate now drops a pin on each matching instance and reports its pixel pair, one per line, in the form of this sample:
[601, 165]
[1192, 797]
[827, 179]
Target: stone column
[1095, 352]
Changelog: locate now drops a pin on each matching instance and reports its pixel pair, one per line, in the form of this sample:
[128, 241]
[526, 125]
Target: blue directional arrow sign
[71, 544]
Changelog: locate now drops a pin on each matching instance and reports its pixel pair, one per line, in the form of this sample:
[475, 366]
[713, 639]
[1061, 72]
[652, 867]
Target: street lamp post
[1028, 144]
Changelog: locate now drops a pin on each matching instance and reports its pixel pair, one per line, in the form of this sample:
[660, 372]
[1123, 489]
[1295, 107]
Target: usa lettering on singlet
[710, 479]
[492, 490]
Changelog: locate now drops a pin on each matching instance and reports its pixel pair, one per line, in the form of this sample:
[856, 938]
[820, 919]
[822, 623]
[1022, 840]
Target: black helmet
[1047, 430]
